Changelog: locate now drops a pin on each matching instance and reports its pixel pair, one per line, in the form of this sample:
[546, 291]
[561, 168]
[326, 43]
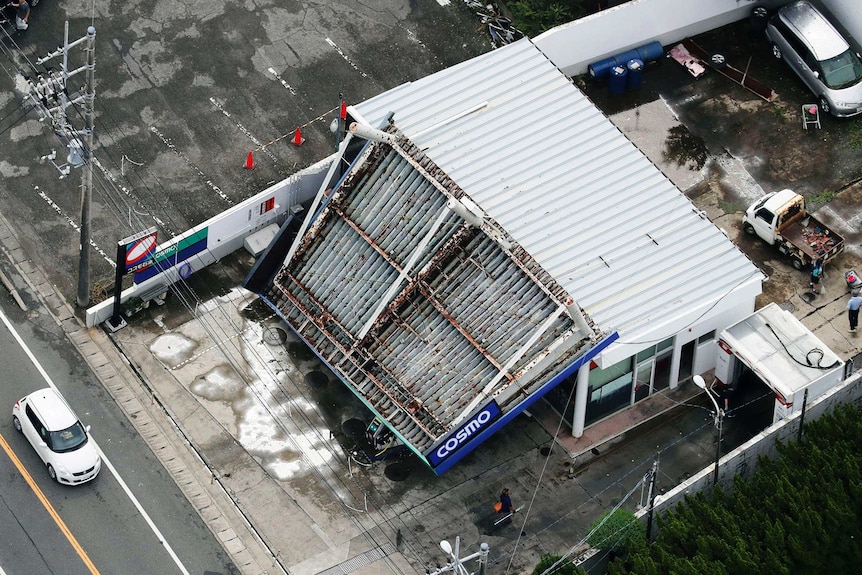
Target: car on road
[822, 58]
[58, 436]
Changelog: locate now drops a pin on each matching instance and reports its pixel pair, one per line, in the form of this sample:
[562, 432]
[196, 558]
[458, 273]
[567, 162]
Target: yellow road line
[50, 508]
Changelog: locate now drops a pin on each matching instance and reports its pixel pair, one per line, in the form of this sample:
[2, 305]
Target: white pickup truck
[780, 219]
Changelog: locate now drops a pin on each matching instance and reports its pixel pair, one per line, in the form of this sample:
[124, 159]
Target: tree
[800, 514]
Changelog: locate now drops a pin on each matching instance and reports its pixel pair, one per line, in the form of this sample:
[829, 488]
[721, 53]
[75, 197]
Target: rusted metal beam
[742, 78]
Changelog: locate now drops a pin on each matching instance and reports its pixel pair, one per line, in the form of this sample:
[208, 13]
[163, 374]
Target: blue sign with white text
[461, 436]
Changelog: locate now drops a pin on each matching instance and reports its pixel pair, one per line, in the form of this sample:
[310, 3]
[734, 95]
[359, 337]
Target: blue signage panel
[461, 436]
[175, 254]
[478, 437]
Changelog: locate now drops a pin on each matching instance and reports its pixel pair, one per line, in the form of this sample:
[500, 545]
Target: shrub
[566, 567]
[615, 533]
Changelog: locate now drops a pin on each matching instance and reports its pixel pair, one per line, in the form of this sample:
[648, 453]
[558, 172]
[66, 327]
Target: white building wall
[573, 46]
[227, 232]
[716, 317]
[690, 324]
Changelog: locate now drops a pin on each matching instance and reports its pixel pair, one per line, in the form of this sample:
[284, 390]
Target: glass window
[765, 215]
[647, 353]
[609, 398]
[842, 71]
[31, 415]
[68, 439]
[707, 337]
[599, 377]
[610, 390]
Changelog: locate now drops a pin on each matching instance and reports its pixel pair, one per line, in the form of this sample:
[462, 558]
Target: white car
[55, 432]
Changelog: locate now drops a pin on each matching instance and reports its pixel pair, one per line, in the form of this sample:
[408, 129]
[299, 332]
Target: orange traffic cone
[249, 162]
[297, 138]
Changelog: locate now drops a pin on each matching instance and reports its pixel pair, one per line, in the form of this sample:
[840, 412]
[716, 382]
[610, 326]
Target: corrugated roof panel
[417, 310]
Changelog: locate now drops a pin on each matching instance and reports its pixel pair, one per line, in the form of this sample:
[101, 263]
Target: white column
[674, 364]
[583, 386]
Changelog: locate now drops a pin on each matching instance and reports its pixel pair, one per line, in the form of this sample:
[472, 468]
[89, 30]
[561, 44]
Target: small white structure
[783, 353]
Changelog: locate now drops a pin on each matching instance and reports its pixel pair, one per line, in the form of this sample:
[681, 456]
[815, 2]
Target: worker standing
[853, 309]
[22, 13]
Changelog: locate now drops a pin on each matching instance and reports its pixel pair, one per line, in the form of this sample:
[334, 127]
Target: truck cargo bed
[813, 238]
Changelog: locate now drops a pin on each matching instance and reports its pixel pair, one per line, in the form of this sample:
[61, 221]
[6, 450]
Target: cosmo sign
[461, 436]
[136, 251]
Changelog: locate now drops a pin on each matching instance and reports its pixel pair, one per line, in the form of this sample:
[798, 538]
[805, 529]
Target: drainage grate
[362, 560]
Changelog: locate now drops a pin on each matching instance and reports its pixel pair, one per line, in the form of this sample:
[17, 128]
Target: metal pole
[802, 415]
[87, 174]
[116, 318]
[455, 564]
[651, 499]
[483, 558]
[719, 417]
[339, 131]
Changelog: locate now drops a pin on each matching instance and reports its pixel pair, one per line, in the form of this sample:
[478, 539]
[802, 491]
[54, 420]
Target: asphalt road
[131, 519]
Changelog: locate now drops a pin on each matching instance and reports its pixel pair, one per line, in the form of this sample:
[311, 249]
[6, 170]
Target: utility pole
[651, 497]
[78, 142]
[719, 417]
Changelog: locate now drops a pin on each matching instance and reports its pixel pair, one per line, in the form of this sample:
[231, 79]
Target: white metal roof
[551, 169]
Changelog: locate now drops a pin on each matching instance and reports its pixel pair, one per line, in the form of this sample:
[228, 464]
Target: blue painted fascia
[518, 409]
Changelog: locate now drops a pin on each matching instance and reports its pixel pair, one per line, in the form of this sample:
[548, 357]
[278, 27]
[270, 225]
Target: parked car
[59, 438]
[822, 58]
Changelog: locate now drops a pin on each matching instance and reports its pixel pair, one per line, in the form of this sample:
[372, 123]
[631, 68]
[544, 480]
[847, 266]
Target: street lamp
[456, 564]
[719, 417]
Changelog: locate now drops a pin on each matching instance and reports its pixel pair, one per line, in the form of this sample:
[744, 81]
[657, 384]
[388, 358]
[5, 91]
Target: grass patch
[729, 207]
[780, 113]
[816, 200]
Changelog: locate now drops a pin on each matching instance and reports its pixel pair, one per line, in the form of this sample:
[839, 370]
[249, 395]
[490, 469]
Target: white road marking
[280, 79]
[209, 182]
[346, 59]
[105, 460]
[74, 225]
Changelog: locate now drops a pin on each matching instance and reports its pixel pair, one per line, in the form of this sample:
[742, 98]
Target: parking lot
[726, 146]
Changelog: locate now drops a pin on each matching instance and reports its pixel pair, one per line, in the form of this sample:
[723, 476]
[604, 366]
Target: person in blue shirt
[22, 13]
[816, 274]
[853, 309]
[506, 500]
